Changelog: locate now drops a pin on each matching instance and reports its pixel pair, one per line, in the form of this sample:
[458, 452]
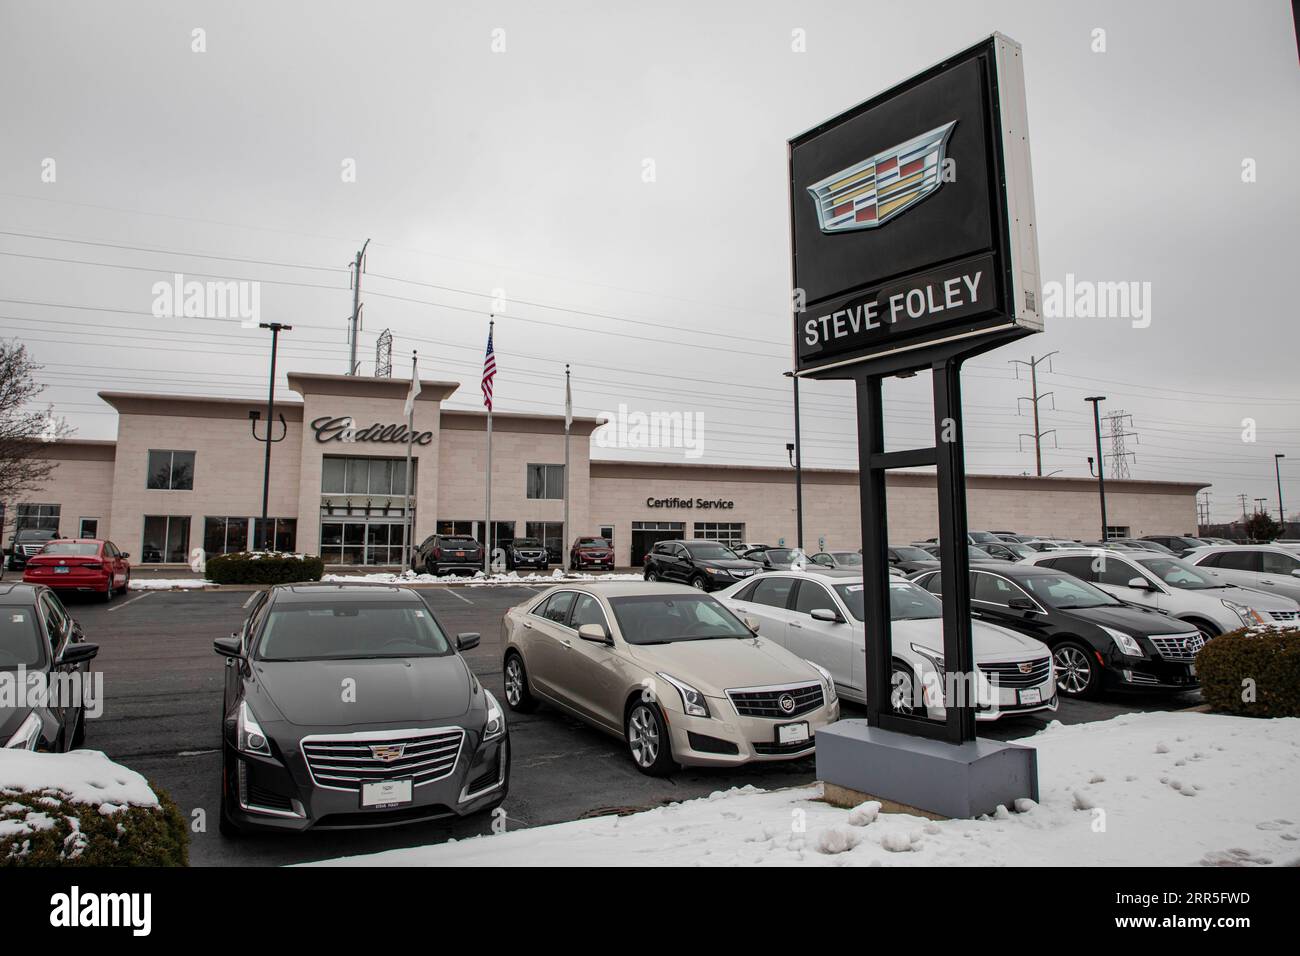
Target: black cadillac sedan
[1098, 643]
[42, 649]
[349, 706]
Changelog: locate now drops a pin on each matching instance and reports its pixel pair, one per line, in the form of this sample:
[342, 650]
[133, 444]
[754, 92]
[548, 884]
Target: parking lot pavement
[162, 711]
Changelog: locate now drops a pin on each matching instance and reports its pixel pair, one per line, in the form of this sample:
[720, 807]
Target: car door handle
[796, 624]
[528, 625]
[567, 645]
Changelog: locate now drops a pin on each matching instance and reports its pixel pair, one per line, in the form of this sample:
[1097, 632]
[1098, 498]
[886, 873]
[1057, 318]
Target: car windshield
[1064, 592]
[592, 543]
[907, 602]
[851, 558]
[978, 553]
[913, 554]
[1020, 550]
[984, 537]
[710, 552]
[20, 641]
[781, 555]
[667, 618]
[1179, 574]
[527, 543]
[350, 630]
[76, 548]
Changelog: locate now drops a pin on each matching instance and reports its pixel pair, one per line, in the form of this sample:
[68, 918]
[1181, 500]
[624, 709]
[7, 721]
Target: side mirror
[1020, 604]
[467, 641]
[78, 653]
[126, 555]
[1296, 573]
[595, 633]
[1140, 584]
[827, 615]
[230, 646]
[752, 625]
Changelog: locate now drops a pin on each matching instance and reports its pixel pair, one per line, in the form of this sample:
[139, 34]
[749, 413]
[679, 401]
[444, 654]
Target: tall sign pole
[411, 396]
[568, 422]
[276, 328]
[489, 373]
[914, 248]
[1277, 471]
[1096, 401]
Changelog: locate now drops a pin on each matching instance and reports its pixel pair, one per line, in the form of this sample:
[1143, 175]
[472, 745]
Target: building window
[646, 534]
[225, 535]
[1117, 531]
[730, 533]
[88, 528]
[361, 542]
[283, 534]
[457, 526]
[166, 539]
[364, 476]
[550, 533]
[546, 481]
[170, 470]
[39, 517]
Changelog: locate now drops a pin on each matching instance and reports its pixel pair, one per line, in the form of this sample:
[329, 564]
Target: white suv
[1166, 583]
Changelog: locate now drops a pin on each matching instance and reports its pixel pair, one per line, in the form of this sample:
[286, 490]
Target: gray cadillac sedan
[349, 706]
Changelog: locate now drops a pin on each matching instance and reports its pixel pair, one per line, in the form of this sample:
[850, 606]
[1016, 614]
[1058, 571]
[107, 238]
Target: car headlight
[934, 657]
[1127, 643]
[496, 721]
[1247, 614]
[692, 700]
[28, 734]
[249, 737]
[826, 679]
[714, 571]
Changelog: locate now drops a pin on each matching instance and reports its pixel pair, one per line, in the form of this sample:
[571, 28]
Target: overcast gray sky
[524, 170]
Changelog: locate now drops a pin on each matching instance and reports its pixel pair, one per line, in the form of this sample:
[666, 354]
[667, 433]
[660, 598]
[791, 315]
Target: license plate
[62, 570]
[386, 793]
[791, 733]
[1034, 696]
[460, 554]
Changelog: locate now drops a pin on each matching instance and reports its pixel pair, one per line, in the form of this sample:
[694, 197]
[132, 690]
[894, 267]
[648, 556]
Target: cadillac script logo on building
[876, 190]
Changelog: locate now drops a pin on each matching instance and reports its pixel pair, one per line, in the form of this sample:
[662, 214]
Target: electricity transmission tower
[384, 354]
[1034, 398]
[1119, 422]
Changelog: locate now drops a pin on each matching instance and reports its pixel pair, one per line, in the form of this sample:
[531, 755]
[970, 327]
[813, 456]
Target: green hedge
[264, 568]
[133, 836]
[1263, 662]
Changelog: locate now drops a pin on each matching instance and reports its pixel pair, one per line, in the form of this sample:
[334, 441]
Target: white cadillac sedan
[818, 615]
[667, 668]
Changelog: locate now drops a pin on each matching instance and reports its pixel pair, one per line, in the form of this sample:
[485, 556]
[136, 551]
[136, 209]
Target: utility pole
[1244, 517]
[358, 266]
[1259, 505]
[276, 328]
[1101, 470]
[1034, 398]
[796, 456]
[1203, 509]
[1119, 455]
[1277, 470]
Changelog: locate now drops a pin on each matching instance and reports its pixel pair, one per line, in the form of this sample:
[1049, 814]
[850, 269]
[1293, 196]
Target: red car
[591, 553]
[80, 564]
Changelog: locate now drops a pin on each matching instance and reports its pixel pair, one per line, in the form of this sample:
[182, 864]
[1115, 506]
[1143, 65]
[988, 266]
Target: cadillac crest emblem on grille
[387, 752]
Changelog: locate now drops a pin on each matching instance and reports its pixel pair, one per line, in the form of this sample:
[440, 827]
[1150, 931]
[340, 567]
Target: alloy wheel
[514, 682]
[1073, 672]
[698, 583]
[643, 736]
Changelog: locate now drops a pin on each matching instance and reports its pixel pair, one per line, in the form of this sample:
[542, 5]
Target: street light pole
[798, 468]
[1277, 470]
[1101, 462]
[276, 328]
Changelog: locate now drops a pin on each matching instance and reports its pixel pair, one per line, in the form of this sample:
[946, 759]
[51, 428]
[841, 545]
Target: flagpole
[410, 441]
[487, 552]
[568, 418]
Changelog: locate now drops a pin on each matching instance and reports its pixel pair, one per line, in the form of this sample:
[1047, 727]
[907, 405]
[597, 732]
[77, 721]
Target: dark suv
[527, 553]
[28, 543]
[441, 553]
[707, 565]
[591, 553]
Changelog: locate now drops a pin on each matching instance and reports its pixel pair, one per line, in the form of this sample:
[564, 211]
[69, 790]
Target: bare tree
[25, 428]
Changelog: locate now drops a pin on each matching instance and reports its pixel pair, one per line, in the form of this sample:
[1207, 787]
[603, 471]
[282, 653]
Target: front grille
[382, 818]
[1284, 615]
[346, 762]
[1137, 677]
[1009, 674]
[774, 750]
[1179, 647]
[766, 701]
[30, 549]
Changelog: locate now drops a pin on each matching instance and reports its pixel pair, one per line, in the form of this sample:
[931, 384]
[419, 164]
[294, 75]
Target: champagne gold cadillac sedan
[667, 668]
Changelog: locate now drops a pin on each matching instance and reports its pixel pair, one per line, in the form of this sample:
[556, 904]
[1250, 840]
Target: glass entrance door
[367, 542]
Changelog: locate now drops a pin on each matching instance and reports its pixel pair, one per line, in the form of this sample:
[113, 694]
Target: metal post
[356, 310]
[875, 557]
[1277, 470]
[487, 534]
[798, 470]
[950, 461]
[1101, 462]
[276, 328]
[564, 542]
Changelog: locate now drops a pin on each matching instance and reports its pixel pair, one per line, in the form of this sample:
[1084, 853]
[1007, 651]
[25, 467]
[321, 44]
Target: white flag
[568, 403]
[409, 407]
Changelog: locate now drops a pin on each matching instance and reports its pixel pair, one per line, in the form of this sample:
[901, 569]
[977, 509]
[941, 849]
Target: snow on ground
[479, 579]
[1178, 789]
[80, 776]
[166, 584]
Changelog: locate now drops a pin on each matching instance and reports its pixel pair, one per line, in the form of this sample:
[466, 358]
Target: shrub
[47, 828]
[264, 567]
[1262, 663]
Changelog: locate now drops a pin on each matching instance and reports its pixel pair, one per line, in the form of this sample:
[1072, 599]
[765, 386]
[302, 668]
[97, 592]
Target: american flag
[489, 371]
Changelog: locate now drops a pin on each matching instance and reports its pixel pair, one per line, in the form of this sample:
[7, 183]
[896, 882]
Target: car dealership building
[186, 472]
